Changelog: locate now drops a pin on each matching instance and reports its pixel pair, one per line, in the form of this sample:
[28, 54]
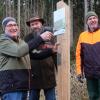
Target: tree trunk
[85, 12]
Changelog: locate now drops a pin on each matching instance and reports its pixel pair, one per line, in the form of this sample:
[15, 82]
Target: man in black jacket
[43, 71]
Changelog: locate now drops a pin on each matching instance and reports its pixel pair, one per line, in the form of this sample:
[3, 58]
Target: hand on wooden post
[46, 36]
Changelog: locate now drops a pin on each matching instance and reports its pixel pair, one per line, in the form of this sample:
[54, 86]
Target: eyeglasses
[11, 25]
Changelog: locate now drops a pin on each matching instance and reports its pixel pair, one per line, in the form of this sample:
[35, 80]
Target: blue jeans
[14, 96]
[49, 94]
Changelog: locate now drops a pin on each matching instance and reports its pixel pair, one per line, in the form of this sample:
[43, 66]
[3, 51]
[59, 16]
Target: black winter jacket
[43, 70]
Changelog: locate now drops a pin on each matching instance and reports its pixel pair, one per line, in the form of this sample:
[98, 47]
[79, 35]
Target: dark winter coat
[43, 71]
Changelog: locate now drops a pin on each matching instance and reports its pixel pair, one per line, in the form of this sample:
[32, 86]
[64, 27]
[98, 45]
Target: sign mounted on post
[59, 21]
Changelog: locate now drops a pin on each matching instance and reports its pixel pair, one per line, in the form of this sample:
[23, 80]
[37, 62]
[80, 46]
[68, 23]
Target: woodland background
[22, 10]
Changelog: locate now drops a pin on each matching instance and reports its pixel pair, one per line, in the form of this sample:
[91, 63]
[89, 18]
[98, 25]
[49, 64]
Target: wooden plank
[63, 76]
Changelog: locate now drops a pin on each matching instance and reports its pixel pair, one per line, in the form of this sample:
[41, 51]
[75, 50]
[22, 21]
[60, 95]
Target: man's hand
[46, 35]
[55, 47]
[80, 78]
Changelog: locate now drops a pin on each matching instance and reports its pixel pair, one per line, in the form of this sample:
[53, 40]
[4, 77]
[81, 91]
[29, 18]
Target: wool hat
[6, 20]
[89, 14]
[36, 18]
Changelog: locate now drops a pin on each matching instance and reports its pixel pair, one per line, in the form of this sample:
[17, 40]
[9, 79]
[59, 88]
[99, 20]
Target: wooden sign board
[59, 22]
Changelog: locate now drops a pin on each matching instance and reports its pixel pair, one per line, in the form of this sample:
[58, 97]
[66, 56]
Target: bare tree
[85, 12]
[18, 13]
[92, 4]
[8, 7]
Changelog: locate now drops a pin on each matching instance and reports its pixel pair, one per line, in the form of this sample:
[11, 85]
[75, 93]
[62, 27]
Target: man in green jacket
[15, 76]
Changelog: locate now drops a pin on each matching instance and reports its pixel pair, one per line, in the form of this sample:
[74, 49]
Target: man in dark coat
[88, 56]
[43, 71]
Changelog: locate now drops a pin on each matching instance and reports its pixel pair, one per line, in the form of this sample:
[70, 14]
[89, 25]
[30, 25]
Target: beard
[37, 31]
[93, 27]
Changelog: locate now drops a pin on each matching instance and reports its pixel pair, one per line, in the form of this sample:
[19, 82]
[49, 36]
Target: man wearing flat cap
[43, 71]
[88, 56]
[14, 68]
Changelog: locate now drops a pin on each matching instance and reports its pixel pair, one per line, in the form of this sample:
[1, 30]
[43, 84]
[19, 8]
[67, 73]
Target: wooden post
[63, 76]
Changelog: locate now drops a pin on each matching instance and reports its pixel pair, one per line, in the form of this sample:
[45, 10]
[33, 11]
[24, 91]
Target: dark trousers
[93, 86]
[49, 94]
